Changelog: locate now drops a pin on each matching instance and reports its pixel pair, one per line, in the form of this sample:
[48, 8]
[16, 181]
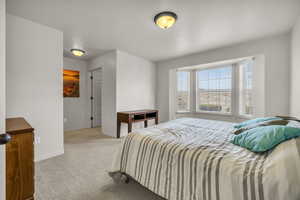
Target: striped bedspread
[192, 159]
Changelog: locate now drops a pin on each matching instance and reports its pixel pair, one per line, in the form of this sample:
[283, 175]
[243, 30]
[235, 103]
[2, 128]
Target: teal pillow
[264, 138]
[256, 120]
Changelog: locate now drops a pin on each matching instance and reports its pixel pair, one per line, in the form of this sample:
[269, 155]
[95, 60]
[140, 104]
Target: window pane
[204, 75]
[183, 91]
[246, 74]
[214, 90]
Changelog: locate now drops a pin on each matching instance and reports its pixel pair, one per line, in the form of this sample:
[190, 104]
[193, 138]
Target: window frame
[239, 114]
[189, 93]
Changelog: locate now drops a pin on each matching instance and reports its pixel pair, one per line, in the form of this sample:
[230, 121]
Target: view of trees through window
[214, 89]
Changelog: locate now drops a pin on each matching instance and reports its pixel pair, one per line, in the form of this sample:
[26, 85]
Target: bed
[192, 159]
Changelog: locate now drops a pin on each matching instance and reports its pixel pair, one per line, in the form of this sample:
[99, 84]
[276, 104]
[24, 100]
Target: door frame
[91, 97]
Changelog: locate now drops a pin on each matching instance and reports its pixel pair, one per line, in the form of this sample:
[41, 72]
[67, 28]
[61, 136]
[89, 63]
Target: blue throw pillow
[256, 120]
[264, 138]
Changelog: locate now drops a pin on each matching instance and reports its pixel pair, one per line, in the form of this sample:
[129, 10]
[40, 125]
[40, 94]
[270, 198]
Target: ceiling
[102, 25]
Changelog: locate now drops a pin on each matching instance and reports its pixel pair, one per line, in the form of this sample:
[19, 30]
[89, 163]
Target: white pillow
[294, 124]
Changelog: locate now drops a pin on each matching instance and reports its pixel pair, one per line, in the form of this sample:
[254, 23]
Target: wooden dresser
[19, 160]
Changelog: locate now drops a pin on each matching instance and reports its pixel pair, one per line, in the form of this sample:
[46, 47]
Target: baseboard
[50, 155]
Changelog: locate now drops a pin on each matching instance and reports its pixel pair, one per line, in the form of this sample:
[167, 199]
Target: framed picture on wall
[71, 83]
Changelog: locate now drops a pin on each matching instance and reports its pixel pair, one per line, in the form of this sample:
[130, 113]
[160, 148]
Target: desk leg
[118, 128]
[146, 123]
[156, 119]
[129, 127]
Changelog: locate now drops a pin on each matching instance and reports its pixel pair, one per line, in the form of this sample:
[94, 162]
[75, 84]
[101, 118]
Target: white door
[96, 94]
[2, 97]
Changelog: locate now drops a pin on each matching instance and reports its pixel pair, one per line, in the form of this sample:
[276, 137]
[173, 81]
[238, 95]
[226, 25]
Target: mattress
[192, 159]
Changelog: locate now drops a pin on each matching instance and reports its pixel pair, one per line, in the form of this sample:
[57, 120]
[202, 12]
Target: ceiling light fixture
[77, 52]
[165, 19]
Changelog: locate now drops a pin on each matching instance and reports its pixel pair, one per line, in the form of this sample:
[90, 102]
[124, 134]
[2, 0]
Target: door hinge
[91, 77]
[92, 118]
[92, 98]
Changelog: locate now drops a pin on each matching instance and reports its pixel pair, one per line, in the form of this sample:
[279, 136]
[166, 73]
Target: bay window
[221, 89]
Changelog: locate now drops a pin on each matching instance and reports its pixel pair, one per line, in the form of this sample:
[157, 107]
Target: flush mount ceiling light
[77, 52]
[165, 19]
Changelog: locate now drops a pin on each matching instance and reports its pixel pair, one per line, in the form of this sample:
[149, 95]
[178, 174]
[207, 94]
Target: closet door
[96, 93]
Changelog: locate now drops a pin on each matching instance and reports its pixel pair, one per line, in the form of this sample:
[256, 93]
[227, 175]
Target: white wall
[34, 81]
[136, 84]
[108, 63]
[295, 71]
[2, 96]
[276, 51]
[77, 110]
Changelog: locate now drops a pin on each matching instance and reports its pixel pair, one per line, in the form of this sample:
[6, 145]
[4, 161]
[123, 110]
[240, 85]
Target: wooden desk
[130, 117]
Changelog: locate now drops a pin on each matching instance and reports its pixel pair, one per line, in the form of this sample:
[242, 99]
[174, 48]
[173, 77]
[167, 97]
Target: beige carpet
[81, 173]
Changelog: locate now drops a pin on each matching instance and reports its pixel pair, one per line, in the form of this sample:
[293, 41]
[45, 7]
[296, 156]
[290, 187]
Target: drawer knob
[4, 138]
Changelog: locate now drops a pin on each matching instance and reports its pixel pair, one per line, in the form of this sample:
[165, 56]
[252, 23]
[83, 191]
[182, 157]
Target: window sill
[219, 116]
[214, 113]
[184, 112]
[245, 117]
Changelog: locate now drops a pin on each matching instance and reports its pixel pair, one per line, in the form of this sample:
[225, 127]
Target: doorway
[96, 90]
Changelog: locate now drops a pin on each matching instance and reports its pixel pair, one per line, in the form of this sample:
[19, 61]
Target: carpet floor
[81, 173]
